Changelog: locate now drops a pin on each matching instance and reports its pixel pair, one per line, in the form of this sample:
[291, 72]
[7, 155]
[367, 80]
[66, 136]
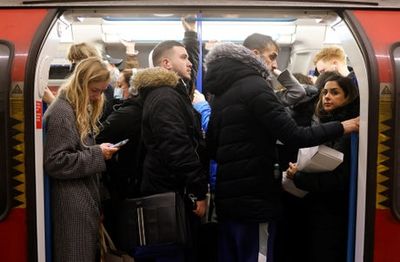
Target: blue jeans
[245, 242]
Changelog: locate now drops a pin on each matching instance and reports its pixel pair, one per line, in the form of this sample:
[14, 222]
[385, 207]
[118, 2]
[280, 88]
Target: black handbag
[153, 221]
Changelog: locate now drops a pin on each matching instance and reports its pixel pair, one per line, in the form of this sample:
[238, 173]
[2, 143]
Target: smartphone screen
[121, 143]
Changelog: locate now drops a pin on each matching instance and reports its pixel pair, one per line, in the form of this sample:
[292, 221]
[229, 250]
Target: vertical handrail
[352, 197]
[47, 204]
[199, 79]
[47, 218]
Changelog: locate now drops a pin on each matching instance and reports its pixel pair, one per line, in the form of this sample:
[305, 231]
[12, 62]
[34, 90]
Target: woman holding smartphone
[74, 161]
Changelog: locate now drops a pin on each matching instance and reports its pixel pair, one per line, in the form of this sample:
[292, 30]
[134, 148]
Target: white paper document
[289, 186]
[318, 159]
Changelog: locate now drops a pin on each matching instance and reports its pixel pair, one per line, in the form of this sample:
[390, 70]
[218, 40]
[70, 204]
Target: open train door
[21, 34]
[378, 205]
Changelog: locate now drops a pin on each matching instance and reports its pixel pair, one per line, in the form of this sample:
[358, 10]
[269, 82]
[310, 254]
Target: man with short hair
[264, 47]
[171, 131]
[172, 55]
[333, 59]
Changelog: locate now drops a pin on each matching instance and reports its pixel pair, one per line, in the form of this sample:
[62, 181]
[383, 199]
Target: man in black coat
[171, 129]
[246, 120]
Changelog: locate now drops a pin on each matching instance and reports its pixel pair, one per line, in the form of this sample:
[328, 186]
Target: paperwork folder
[318, 159]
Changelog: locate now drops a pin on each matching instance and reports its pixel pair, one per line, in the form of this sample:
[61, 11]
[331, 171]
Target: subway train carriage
[35, 37]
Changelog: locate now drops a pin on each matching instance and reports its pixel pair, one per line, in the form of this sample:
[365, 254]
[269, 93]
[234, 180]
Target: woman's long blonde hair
[76, 91]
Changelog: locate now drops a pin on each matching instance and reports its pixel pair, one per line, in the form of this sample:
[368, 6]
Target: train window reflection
[396, 174]
[5, 72]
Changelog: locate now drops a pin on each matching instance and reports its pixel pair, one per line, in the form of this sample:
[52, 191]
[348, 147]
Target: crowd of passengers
[227, 143]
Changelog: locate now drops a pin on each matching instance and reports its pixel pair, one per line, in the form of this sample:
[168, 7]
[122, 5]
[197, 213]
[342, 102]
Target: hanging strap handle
[106, 241]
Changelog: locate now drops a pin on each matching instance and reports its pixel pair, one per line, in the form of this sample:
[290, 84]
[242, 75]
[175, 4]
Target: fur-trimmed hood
[229, 62]
[154, 77]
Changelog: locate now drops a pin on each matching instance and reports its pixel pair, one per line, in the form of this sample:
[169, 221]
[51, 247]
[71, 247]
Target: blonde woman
[78, 52]
[74, 161]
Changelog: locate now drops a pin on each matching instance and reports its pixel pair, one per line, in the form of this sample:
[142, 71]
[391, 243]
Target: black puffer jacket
[171, 134]
[246, 121]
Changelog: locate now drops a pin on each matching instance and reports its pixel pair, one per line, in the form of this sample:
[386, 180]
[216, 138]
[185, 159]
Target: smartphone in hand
[121, 143]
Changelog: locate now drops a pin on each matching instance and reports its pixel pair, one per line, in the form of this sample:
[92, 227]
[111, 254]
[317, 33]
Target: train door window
[396, 179]
[6, 54]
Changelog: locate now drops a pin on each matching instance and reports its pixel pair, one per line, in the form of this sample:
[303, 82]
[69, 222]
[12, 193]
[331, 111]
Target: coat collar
[155, 77]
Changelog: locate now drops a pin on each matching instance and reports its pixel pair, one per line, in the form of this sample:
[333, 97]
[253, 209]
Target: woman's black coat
[327, 200]
[123, 170]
